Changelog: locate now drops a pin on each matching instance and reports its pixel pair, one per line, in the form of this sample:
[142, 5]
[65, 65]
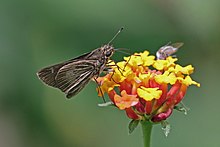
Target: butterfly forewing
[48, 74]
[72, 76]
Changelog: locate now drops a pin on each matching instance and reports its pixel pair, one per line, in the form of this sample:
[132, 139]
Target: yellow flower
[185, 70]
[147, 60]
[171, 61]
[166, 77]
[144, 77]
[188, 81]
[106, 85]
[134, 60]
[124, 68]
[164, 64]
[160, 64]
[149, 93]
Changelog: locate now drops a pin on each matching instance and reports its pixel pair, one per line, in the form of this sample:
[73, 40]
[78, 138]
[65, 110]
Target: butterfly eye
[108, 54]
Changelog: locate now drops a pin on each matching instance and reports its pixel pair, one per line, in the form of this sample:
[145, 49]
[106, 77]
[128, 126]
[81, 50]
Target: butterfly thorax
[103, 55]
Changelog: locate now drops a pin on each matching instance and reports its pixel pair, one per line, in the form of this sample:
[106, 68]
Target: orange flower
[125, 100]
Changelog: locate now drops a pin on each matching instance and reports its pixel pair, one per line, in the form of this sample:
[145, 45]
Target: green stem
[146, 129]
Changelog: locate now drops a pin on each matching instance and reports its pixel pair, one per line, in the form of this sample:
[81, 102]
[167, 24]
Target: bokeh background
[34, 34]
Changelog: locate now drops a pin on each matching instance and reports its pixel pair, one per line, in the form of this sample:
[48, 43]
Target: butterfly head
[108, 51]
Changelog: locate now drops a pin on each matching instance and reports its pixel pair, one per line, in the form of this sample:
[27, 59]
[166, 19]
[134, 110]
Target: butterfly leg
[108, 69]
[119, 69]
[127, 63]
[99, 89]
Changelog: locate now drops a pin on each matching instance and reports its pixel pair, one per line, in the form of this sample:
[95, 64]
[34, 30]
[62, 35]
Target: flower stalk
[146, 130]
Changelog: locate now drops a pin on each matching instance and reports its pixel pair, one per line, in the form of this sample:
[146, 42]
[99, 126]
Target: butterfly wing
[48, 74]
[70, 76]
[73, 77]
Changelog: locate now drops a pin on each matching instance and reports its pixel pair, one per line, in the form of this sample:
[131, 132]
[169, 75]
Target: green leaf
[165, 127]
[106, 104]
[133, 125]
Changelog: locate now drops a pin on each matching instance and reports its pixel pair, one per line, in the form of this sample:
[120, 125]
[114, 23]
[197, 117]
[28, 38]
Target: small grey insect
[73, 75]
[168, 50]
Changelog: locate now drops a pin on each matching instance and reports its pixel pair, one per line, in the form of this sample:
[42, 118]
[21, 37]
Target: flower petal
[188, 81]
[149, 93]
[125, 101]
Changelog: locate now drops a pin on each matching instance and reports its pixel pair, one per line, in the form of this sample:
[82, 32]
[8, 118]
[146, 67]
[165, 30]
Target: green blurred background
[34, 34]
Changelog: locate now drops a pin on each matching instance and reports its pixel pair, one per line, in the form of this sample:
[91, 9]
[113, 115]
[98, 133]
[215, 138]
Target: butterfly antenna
[119, 31]
[123, 50]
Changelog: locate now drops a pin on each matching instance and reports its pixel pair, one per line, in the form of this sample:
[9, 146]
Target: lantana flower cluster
[146, 88]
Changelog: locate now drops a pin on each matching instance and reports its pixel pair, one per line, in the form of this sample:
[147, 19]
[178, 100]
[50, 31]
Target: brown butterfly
[73, 75]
